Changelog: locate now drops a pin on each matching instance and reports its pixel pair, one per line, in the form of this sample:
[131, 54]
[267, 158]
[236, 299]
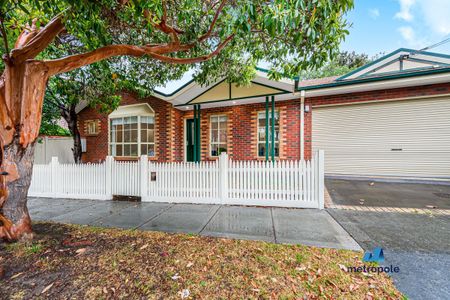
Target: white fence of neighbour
[224, 181]
[50, 146]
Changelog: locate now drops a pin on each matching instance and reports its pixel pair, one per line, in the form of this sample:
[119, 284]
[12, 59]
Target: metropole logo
[376, 256]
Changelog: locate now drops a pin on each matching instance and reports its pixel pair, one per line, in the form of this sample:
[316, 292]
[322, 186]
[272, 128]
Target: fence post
[144, 176]
[321, 178]
[108, 180]
[223, 177]
[54, 165]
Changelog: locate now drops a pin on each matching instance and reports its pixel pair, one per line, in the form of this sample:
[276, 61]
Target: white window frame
[211, 143]
[92, 124]
[138, 115]
[258, 142]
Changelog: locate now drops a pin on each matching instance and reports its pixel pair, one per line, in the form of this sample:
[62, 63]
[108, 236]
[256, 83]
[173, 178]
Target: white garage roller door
[398, 138]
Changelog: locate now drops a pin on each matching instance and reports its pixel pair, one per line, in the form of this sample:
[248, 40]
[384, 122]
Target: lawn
[81, 262]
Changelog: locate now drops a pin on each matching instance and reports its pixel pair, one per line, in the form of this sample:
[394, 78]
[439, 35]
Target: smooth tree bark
[22, 89]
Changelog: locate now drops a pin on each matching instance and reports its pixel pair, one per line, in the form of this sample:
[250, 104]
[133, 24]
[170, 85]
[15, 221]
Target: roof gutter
[369, 80]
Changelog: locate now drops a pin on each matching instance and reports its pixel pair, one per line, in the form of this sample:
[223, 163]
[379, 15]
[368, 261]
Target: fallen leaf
[143, 247]
[105, 290]
[16, 275]
[47, 288]
[81, 251]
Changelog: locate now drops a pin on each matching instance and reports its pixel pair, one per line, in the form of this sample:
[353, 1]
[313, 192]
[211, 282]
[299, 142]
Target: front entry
[189, 140]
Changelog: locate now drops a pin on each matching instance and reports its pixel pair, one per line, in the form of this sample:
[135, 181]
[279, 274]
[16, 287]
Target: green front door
[190, 140]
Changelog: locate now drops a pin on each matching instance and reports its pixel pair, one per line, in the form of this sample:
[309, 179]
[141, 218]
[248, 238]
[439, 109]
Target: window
[92, 127]
[262, 133]
[218, 135]
[132, 136]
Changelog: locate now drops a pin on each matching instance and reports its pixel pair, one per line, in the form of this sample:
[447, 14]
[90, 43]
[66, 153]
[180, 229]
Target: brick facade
[380, 95]
[242, 124]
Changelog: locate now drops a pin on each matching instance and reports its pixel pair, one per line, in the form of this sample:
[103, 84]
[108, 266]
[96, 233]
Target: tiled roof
[318, 81]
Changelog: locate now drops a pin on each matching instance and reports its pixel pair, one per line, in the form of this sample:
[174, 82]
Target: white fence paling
[224, 181]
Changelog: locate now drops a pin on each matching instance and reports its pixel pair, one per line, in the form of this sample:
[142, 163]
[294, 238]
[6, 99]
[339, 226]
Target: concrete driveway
[419, 244]
[279, 225]
[388, 194]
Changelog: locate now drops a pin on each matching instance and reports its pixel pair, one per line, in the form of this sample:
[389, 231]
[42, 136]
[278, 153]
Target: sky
[382, 26]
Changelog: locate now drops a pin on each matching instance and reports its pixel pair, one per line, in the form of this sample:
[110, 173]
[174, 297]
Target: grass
[80, 262]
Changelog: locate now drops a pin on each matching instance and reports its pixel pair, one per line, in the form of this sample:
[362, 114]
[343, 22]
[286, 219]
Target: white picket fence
[224, 181]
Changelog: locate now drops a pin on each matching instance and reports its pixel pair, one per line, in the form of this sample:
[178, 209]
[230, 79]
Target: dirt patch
[81, 262]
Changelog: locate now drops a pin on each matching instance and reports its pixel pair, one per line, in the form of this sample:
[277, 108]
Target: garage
[405, 138]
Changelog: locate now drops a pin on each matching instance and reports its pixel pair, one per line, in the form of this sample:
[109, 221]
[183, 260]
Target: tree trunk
[14, 213]
[71, 118]
[22, 89]
[77, 151]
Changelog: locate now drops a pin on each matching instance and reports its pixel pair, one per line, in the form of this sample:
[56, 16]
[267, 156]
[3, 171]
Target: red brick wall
[97, 146]
[242, 124]
[380, 95]
[242, 130]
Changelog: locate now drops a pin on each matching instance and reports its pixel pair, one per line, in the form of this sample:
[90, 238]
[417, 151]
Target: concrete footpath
[310, 227]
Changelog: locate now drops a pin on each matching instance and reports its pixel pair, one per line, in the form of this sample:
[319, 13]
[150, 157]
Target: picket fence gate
[224, 181]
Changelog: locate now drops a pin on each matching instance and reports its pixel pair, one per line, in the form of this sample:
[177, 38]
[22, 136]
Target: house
[388, 118]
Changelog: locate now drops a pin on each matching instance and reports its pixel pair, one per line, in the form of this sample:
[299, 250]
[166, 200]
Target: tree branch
[211, 26]
[39, 42]
[72, 62]
[192, 60]
[5, 39]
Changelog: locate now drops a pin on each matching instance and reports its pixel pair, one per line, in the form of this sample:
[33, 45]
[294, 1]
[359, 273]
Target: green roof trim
[232, 99]
[370, 64]
[281, 91]
[411, 51]
[373, 79]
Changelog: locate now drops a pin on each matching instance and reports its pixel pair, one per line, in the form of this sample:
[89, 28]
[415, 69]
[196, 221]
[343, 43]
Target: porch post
[267, 128]
[199, 158]
[197, 148]
[273, 130]
[195, 133]
[302, 125]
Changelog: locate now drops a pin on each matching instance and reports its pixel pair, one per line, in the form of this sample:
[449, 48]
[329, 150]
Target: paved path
[418, 244]
[280, 225]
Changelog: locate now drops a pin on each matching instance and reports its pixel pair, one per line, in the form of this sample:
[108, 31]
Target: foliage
[343, 63]
[290, 35]
[53, 129]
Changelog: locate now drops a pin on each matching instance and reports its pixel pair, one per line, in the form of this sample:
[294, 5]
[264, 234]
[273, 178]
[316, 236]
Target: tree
[290, 35]
[343, 63]
[95, 85]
